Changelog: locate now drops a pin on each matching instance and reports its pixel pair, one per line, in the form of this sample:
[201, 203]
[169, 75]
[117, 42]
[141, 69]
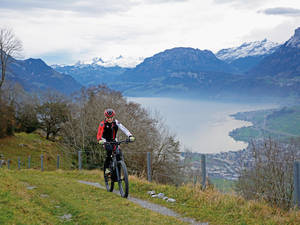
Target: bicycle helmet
[109, 113]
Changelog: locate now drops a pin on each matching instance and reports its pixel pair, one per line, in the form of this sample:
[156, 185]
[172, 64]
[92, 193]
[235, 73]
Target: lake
[201, 126]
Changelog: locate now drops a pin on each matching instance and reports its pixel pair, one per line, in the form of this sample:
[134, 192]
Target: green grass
[223, 185]
[214, 207]
[59, 193]
[245, 133]
[281, 124]
[287, 122]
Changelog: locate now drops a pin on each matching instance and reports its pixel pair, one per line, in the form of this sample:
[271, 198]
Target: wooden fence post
[19, 163]
[203, 170]
[57, 163]
[42, 162]
[79, 160]
[149, 166]
[29, 159]
[297, 183]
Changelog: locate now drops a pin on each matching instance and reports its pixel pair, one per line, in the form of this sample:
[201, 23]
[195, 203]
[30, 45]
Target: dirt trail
[148, 205]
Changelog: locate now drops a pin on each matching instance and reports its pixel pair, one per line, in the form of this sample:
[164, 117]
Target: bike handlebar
[117, 142]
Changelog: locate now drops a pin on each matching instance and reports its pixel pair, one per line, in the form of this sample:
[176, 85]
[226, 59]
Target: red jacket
[108, 131]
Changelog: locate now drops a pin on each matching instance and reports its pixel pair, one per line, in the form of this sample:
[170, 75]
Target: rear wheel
[109, 182]
[123, 181]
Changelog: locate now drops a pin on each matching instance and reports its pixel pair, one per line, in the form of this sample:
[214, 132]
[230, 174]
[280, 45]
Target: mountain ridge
[247, 49]
[36, 75]
[283, 63]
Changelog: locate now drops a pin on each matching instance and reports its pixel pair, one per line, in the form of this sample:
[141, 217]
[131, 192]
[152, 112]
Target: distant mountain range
[257, 69]
[273, 71]
[120, 61]
[92, 74]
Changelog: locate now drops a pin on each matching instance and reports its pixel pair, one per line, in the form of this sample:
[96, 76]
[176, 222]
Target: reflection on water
[201, 126]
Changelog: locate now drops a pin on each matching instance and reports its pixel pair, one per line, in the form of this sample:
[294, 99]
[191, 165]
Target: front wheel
[123, 179]
[109, 182]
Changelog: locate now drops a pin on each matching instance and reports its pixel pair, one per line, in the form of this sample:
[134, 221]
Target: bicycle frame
[117, 166]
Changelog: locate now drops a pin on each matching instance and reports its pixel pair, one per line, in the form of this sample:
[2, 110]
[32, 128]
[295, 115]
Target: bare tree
[10, 46]
[270, 176]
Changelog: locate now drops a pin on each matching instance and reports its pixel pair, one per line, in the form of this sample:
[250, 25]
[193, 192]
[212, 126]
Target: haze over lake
[202, 126]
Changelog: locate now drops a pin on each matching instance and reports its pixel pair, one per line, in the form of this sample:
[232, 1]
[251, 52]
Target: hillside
[280, 124]
[30, 196]
[35, 197]
[178, 72]
[35, 76]
[24, 145]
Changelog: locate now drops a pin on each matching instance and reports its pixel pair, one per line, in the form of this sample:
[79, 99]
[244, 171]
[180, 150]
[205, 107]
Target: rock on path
[148, 205]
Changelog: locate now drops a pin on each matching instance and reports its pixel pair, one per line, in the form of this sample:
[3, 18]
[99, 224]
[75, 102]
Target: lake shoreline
[202, 126]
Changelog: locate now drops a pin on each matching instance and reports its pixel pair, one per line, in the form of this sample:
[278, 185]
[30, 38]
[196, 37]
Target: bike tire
[123, 181]
[109, 182]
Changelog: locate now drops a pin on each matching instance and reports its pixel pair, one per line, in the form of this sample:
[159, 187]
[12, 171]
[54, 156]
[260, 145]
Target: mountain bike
[118, 170]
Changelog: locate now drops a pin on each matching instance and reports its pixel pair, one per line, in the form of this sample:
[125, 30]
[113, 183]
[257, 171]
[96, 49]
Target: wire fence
[91, 159]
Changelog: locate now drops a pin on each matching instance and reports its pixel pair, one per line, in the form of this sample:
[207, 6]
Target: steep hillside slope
[23, 145]
[36, 75]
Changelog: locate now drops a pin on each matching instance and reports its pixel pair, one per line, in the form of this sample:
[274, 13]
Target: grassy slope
[286, 122]
[90, 205]
[282, 124]
[58, 194]
[24, 145]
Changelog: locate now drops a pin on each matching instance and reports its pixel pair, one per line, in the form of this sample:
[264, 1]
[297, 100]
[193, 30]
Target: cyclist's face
[109, 119]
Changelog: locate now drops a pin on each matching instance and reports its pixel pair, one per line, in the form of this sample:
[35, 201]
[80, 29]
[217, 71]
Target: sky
[65, 31]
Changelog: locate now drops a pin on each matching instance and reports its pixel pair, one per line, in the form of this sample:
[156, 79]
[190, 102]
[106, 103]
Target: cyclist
[107, 131]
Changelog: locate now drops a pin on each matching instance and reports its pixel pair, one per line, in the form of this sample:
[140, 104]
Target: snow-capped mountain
[282, 64]
[121, 61]
[256, 48]
[294, 41]
[99, 70]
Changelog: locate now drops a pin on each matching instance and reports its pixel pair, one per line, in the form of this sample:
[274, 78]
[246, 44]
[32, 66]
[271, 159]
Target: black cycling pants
[109, 149]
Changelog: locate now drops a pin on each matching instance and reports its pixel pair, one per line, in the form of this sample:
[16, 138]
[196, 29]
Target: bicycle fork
[117, 172]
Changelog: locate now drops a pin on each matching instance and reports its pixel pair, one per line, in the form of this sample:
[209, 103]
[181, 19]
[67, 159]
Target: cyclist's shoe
[107, 172]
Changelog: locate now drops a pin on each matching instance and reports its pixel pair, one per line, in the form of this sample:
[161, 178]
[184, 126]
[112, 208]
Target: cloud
[284, 11]
[242, 3]
[163, 1]
[87, 7]
[53, 57]
[280, 33]
[83, 7]
[68, 30]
